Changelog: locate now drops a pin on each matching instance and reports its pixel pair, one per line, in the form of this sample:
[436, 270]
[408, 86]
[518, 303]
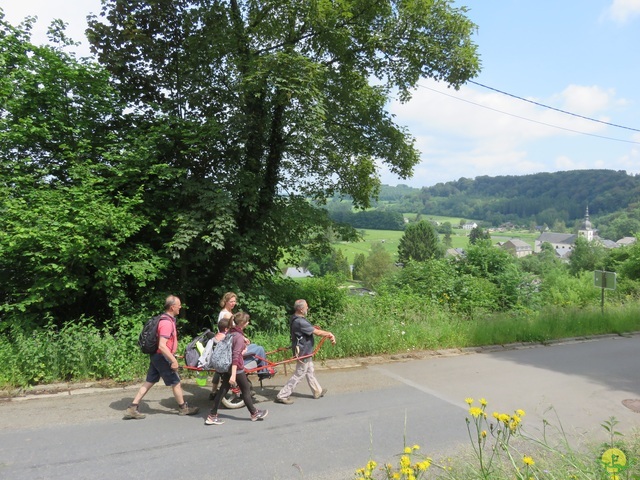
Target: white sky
[576, 55]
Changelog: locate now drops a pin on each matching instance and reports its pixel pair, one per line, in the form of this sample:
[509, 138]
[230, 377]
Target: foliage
[75, 352]
[244, 96]
[419, 243]
[483, 260]
[477, 234]
[379, 219]
[358, 266]
[544, 197]
[333, 262]
[440, 285]
[586, 256]
[71, 190]
[387, 323]
[630, 261]
[541, 263]
[376, 266]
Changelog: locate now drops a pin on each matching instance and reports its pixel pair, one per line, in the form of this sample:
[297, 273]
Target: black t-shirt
[301, 336]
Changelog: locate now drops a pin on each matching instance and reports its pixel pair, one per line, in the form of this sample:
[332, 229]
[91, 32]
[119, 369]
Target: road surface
[369, 412]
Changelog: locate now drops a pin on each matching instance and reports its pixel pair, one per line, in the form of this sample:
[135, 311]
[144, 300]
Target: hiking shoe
[133, 414]
[286, 401]
[321, 394]
[259, 415]
[213, 420]
[187, 410]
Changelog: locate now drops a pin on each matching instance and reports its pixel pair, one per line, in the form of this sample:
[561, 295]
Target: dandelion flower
[528, 461]
[504, 418]
[416, 447]
[520, 412]
[475, 412]
[468, 400]
[483, 402]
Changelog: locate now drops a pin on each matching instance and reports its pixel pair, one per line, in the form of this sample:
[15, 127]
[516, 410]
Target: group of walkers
[163, 363]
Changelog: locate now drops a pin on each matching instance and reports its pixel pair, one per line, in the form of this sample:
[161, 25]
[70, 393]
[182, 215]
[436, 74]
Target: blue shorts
[159, 367]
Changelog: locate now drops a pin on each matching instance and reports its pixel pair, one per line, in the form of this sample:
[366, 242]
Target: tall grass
[384, 324]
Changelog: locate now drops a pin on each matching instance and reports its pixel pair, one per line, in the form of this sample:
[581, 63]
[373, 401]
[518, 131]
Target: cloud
[587, 100]
[622, 11]
[473, 132]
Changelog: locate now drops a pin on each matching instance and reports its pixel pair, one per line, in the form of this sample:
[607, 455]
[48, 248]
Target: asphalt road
[368, 413]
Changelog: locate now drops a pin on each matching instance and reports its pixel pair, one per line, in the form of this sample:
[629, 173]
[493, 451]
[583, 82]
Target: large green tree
[71, 179]
[263, 105]
[419, 243]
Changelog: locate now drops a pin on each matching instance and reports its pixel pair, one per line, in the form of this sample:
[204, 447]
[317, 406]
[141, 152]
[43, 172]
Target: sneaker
[133, 413]
[286, 401]
[187, 410]
[259, 415]
[321, 394]
[213, 420]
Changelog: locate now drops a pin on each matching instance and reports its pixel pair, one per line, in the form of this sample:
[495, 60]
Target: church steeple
[587, 230]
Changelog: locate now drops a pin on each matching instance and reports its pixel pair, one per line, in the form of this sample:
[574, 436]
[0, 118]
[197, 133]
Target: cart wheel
[233, 400]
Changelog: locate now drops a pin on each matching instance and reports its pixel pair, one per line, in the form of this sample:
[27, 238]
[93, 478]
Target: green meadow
[391, 238]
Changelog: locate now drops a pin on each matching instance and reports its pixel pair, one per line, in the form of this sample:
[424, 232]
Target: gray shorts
[159, 367]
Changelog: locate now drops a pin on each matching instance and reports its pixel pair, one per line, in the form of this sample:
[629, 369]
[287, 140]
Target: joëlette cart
[233, 399]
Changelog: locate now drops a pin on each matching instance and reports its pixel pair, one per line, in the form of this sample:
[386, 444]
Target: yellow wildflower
[528, 461]
[396, 476]
[520, 412]
[407, 450]
[496, 415]
[405, 461]
[483, 402]
[416, 447]
[483, 433]
[468, 400]
[475, 412]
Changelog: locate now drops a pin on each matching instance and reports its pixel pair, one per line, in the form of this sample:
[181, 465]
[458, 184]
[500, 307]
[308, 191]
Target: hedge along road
[371, 407]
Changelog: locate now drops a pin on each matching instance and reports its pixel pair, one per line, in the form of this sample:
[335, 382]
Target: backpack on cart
[196, 347]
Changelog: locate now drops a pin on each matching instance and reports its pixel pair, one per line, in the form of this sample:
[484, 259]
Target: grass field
[391, 238]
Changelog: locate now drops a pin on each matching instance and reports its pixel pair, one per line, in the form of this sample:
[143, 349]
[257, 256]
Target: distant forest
[551, 199]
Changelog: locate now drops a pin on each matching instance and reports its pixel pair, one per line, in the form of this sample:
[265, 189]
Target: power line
[536, 121]
[553, 108]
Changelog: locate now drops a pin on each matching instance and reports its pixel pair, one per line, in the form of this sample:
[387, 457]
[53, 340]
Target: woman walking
[236, 375]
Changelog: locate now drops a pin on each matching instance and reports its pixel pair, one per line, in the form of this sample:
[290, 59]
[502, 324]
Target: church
[563, 243]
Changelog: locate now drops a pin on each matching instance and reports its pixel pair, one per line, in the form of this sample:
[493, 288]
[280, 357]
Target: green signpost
[604, 280]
